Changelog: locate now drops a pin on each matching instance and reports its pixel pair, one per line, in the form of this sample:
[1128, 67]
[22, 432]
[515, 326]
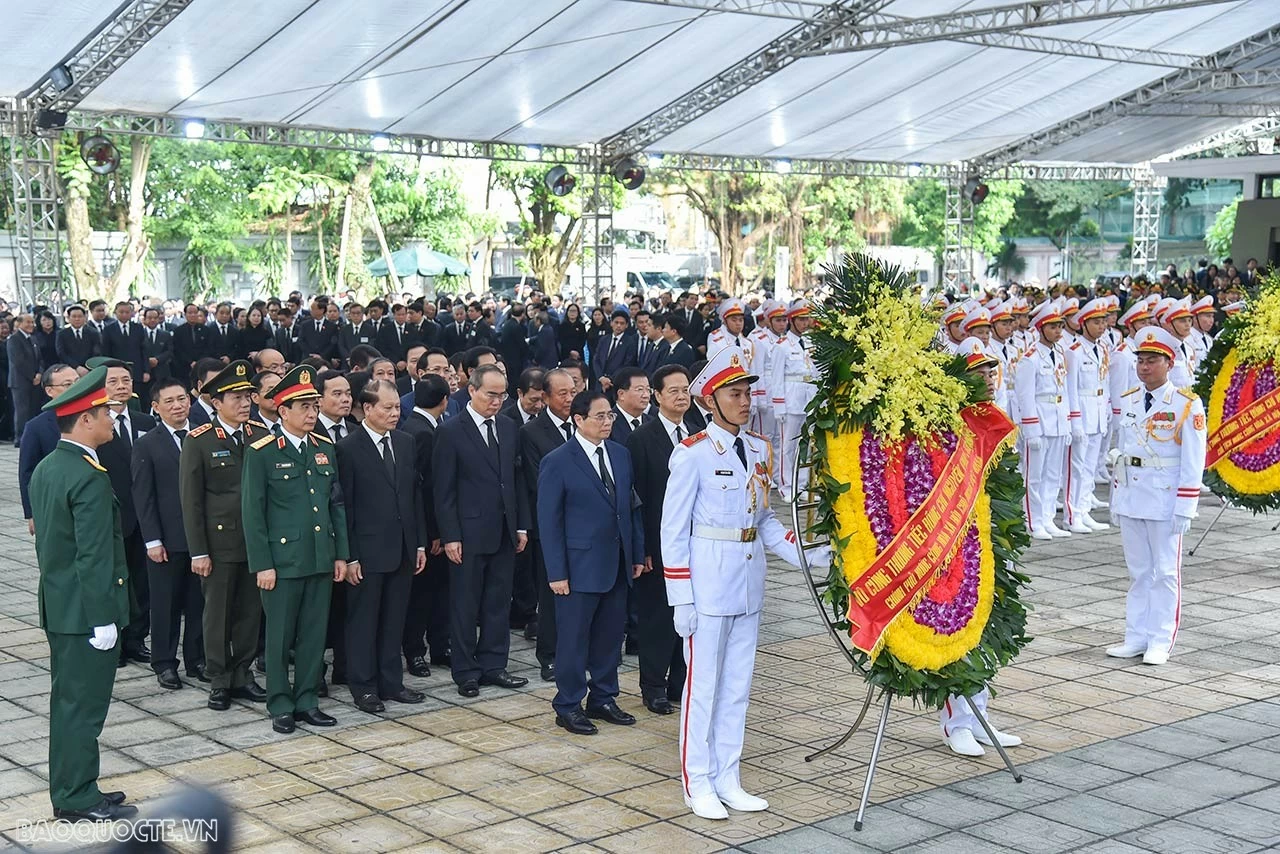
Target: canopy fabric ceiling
[576, 72]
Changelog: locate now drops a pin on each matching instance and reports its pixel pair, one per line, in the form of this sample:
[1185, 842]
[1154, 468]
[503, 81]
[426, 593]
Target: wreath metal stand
[802, 521]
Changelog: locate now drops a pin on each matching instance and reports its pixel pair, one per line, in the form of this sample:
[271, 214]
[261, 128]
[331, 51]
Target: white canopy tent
[912, 86]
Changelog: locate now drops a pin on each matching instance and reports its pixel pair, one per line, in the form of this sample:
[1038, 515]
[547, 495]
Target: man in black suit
[513, 344]
[427, 623]
[116, 457]
[618, 350]
[631, 387]
[77, 342]
[456, 335]
[482, 333]
[678, 351]
[467, 362]
[202, 411]
[335, 424]
[317, 336]
[528, 399]
[522, 408]
[395, 337]
[122, 340]
[190, 344]
[41, 435]
[356, 330]
[24, 374]
[283, 340]
[387, 534]
[175, 592]
[157, 351]
[548, 431]
[651, 345]
[224, 337]
[662, 665]
[483, 512]
[425, 331]
[545, 346]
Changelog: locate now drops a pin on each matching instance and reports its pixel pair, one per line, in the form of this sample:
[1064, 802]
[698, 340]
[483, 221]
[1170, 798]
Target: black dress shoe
[197, 673]
[168, 678]
[442, 660]
[219, 699]
[253, 692]
[531, 630]
[660, 706]
[104, 810]
[418, 667]
[611, 713]
[283, 723]
[139, 653]
[503, 679]
[406, 695]
[576, 722]
[470, 688]
[370, 703]
[631, 647]
[113, 798]
[549, 672]
[322, 690]
[314, 717]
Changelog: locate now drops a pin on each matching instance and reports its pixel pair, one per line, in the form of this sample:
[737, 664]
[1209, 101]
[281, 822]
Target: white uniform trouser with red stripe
[955, 713]
[720, 656]
[790, 428]
[765, 423]
[1042, 471]
[1153, 607]
[1082, 460]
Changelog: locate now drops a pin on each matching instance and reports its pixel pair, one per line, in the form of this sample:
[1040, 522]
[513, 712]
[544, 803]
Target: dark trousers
[79, 695]
[297, 612]
[662, 667]
[546, 644]
[524, 592]
[22, 409]
[376, 609]
[135, 634]
[335, 636]
[480, 595]
[589, 630]
[427, 621]
[232, 613]
[175, 595]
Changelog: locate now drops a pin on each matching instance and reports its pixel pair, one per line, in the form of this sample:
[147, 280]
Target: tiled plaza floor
[1119, 757]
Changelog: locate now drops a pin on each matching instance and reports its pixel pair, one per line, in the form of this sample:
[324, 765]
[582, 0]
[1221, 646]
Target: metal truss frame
[1148, 205]
[597, 236]
[1196, 109]
[33, 174]
[957, 226]
[1249, 134]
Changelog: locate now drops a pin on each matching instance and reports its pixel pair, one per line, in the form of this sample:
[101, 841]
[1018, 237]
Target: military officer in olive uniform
[209, 473]
[295, 531]
[83, 596]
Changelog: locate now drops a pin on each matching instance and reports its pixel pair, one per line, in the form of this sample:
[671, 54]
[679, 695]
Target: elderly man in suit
[387, 537]
[24, 373]
[78, 342]
[157, 351]
[175, 590]
[618, 350]
[593, 543]
[190, 344]
[483, 513]
[122, 340]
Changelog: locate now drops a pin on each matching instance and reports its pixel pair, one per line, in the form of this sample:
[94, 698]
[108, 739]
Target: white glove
[1035, 444]
[686, 620]
[1181, 525]
[1067, 439]
[1077, 435]
[820, 557]
[104, 637]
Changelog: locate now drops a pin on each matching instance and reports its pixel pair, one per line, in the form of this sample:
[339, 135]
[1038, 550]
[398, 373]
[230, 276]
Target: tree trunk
[324, 262]
[286, 280]
[84, 267]
[343, 238]
[393, 278]
[136, 244]
[360, 197]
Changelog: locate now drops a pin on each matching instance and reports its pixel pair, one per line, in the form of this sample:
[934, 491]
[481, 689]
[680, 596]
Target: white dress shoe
[961, 741]
[1040, 534]
[1055, 531]
[1095, 524]
[1155, 656]
[1098, 503]
[1125, 651]
[1079, 528]
[737, 799]
[1005, 739]
[707, 806]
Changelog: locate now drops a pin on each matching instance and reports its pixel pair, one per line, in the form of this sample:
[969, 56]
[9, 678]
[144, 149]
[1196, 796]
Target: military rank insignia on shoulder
[201, 430]
[1130, 391]
[91, 461]
[1187, 393]
[1075, 346]
[764, 439]
[690, 441]
[325, 439]
[263, 442]
[1031, 351]
[257, 424]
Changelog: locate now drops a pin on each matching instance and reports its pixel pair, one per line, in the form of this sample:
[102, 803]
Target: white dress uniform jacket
[792, 384]
[1089, 395]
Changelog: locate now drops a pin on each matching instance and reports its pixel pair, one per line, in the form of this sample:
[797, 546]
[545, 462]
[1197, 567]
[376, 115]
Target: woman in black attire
[46, 338]
[598, 329]
[572, 333]
[256, 334]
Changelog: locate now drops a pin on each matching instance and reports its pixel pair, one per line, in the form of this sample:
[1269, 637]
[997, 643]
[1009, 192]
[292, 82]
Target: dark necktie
[679, 435]
[568, 431]
[339, 431]
[235, 439]
[122, 431]
[1147, 402]
[604, 471]
[388, 459]
[78, 338]
[493, 437]
[737, 342]
[1053, 357]
[276, 431]
[635, 423]
[742, 453]
[399, 334]
[318, 326]
[180, 435]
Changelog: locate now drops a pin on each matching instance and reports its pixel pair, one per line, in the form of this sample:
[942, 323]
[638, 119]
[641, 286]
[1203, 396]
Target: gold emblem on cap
[239, 370]
[734, 362]
[304, 377]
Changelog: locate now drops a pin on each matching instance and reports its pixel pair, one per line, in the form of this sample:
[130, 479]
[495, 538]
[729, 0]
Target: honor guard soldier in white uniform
[1021, 336]
[977, 324]
[1203, 316]
[952, 331]
[792, 378]
[1088, 392]
[1069, 308]
[1043, 408]
[1006, 354]
[716, 524]
[1177, 320]
[772, 326]
[733, 320]
[1155, 490]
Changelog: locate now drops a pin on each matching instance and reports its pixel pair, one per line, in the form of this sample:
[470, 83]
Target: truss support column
[957, 253]
[32, 171]
[1148, 204]
[597, 238]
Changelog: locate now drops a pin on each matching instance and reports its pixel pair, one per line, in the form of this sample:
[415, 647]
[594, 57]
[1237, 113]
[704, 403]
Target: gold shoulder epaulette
[690, 441]
[203, 428]
[757, 435]
[322, 438]
[1031, 351]
[258, 424]
[91, 461]
[1075, 346]
[1130, 391]
[1187, 393]
[263, 442]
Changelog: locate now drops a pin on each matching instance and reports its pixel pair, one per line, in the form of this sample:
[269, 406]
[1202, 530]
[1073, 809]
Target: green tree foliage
[1218, 238]
[1061, 210]
[923, 222]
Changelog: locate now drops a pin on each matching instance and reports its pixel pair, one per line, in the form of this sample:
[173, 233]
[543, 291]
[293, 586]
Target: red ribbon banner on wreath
[1259, 419]
[926, 543]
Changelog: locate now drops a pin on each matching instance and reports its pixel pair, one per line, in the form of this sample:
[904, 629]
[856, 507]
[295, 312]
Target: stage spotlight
[782, 167]
[60, 77]
[975, 190]
[381, 142]
[193, 128]
[48, 119]
[628, 173]
[100, 154]
[559, 181]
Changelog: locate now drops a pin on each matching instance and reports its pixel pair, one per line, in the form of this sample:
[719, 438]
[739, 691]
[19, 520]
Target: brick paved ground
[1119, 757]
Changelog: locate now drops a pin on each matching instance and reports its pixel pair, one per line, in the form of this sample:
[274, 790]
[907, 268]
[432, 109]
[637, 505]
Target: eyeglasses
[604, 417]
[495, 395]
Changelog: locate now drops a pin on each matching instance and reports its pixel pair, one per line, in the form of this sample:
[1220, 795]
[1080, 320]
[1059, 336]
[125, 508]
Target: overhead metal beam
[1196, 109]
[1205, 76]
[741, 76]
[795, 10]
[1255, 134]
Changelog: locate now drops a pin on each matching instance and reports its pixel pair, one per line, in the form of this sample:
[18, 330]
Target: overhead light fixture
[48, 119]
[628, 173]
[533, 152]
[100, 154]
[559, 181]
[193, 128]
[782, 167]
[975, 190]
[60, 77]
[655, 160]
[381, 142]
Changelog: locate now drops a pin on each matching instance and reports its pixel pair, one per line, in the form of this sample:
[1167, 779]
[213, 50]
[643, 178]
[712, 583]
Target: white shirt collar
[435, 422]
[225, 426]
[174, 430]
[297, 442]
[328, 423]
[90, 452]
[670, 426]
[373, 434]
[209, 410]
[479, 422]
[558, 421]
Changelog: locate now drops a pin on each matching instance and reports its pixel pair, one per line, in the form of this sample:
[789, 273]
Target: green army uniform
[209, 483]
[83, 585]
[294, 523]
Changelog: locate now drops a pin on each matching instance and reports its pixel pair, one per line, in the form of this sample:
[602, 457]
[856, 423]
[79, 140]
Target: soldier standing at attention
[83, 599]
[209, 482]
[295, 532]
[792, 384]
[1155, 490]
[1041, 386]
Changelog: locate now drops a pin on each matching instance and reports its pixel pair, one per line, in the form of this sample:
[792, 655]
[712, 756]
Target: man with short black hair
[202, 411]
[527, 403]
[78, 342]
[224, 337]
[618, 349]
[633, 399]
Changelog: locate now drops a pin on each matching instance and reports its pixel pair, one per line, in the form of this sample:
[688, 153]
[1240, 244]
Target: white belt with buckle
[730, 535]
[801, 378]
[1151, 462]
[1049, 398]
